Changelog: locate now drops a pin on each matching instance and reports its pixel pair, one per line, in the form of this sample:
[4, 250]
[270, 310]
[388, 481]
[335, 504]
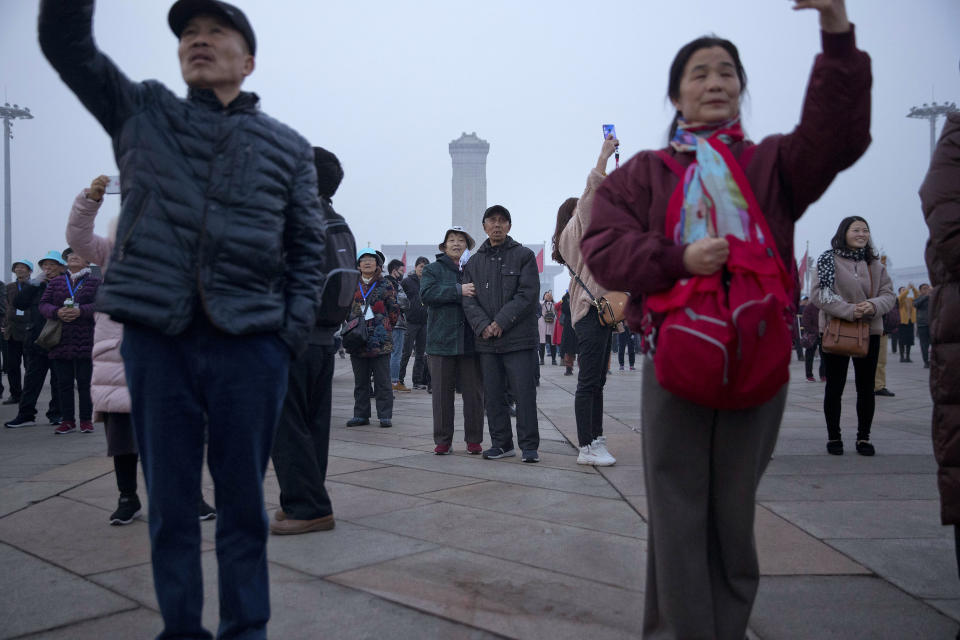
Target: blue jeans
[234, 386]
[397, 354]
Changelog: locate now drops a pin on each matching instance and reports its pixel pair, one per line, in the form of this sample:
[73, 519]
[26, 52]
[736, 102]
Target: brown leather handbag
[846, 338]
[611, 308]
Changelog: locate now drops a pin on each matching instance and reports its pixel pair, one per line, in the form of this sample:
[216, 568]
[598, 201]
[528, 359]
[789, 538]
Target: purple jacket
[77, 337]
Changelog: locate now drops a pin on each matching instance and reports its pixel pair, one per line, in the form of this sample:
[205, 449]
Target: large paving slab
[38, 595]
[513, 600]
[542, 544]
[843, 608]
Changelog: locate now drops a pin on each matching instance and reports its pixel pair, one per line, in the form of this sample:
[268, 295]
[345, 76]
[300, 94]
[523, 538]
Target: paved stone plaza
[459, 547]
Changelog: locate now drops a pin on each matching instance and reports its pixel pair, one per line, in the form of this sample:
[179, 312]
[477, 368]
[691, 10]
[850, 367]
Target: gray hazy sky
[387, 85]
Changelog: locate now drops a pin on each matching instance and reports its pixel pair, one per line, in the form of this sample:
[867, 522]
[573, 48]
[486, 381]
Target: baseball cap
[183, 10]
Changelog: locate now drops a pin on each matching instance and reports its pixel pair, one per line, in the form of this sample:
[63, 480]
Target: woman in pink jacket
[108, 390]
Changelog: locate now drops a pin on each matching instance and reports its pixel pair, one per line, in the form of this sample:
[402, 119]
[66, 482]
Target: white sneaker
[591, 455]
[599, 447]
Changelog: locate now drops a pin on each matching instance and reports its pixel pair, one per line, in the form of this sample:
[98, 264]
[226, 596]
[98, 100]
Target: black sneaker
[18, 422]
[835, 447]
[530, 455]
[358, 422]
[55, 420]
[495, 453]
[884, 392]
[11, 400]
[128, 508]
[864, 448]
[206, 511]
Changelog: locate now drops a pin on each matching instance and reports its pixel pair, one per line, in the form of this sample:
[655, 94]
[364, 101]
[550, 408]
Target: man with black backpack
[303, 435]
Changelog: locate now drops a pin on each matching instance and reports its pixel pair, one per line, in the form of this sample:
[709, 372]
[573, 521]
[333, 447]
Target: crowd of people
[196, 325]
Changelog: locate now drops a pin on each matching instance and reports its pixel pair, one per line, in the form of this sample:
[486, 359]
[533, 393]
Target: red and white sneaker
[474, 448]
[442, 450]
[86, 426]
[67, 426]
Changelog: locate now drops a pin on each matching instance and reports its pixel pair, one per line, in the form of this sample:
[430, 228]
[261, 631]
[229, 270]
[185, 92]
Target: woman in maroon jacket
[70, 298]
[702, 464]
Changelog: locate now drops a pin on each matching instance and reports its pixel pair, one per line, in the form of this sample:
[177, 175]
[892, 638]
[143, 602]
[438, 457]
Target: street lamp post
[931, 112]
[9, 114]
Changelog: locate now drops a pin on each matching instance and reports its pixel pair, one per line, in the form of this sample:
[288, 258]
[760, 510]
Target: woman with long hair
[547, 321]
[593, 337]
[852, 284]
[702, 463]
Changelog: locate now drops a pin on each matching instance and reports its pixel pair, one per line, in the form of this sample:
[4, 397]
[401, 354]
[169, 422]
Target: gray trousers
[447, 373]
[702, 467]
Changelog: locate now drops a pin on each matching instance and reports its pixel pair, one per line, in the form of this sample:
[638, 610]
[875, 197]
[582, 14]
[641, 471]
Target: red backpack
[725, 339]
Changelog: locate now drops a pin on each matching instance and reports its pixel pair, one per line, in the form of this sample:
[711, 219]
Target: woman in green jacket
[453, 363]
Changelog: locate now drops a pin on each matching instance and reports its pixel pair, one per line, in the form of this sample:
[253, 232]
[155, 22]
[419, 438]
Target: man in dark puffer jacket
[214, 274]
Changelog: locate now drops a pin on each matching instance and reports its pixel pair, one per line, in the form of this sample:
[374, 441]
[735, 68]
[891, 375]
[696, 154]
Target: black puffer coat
[219, 204]
[508, 288]
[940, 200]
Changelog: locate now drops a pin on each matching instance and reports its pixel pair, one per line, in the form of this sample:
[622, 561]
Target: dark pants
[593, 342]
[923, 334]
[808, 360]
[865, 371]
[548, 347]
[234, 385]
[518, 370]
[379, 368]
[624, 342]
[11, 364]
[81, 370]
[449, 373]
[415, 342]
[702, 467]
[37, 365]
[303, 435]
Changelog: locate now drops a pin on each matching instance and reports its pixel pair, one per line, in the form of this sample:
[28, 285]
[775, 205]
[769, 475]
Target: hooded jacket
[940, 201]
[220, 212]
[508, 288]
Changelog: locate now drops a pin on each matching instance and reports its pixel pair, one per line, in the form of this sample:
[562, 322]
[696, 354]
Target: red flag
[540, 260]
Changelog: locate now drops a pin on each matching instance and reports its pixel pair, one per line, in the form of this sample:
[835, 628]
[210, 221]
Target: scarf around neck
[713, 204]
[827, 271]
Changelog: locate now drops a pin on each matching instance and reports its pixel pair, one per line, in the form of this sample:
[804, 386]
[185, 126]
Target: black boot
[908, 353]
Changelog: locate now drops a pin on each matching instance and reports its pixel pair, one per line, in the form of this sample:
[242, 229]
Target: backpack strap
[671, 162]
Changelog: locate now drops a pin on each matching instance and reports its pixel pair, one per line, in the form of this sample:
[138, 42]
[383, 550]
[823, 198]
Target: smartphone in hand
[609, 130]
[113, 186]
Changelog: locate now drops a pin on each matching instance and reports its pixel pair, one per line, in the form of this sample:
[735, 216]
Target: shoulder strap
[580, 282]
[670, 161]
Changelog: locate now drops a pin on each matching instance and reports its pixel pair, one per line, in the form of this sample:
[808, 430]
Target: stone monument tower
[469, 154]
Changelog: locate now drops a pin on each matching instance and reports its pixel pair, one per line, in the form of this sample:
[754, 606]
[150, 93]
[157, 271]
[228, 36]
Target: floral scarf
[827, 271]
[713, 205]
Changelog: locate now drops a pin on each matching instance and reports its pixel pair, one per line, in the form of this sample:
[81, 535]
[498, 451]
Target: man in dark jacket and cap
[415, 341]
[215, 275]
[503, 315]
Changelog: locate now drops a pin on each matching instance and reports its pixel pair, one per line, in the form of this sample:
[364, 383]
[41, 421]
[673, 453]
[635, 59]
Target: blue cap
[53, 255]
[367, 251]
[26, 263]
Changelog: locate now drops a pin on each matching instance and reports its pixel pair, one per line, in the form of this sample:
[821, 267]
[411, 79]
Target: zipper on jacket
[122, 246]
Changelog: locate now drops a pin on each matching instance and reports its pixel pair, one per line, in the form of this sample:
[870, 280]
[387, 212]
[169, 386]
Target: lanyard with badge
[69, 301]
[368, 312]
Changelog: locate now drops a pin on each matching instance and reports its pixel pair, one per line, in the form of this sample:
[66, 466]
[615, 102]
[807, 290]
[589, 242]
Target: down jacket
[108, 388]
[940, 200]
[77, 335]
[220, 210]
[508, 287]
